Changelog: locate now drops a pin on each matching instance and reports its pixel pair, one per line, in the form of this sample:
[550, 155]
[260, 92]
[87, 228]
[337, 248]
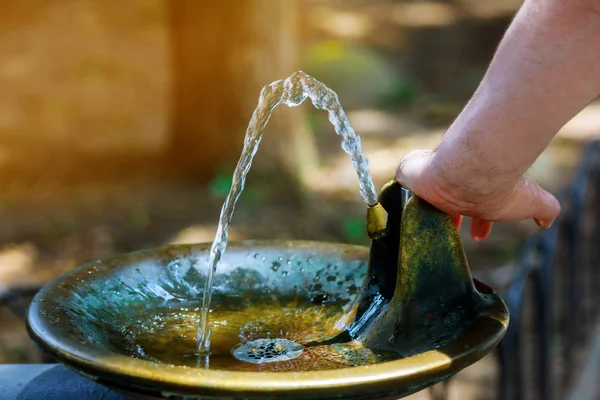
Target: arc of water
[292, 92]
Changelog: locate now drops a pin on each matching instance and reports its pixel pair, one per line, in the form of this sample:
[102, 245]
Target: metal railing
[557, 271]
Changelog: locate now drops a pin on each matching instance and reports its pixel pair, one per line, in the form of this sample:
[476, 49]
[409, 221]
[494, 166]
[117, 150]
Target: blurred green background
[121, 122]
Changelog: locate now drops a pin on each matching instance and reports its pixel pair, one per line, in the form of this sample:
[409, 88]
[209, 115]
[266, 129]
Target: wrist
[486, 150]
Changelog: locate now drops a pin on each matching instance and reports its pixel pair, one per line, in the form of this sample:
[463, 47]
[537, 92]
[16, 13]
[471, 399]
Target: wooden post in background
[223, 53]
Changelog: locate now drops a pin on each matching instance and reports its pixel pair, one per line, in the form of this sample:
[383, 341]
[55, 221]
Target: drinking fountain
[289, 319]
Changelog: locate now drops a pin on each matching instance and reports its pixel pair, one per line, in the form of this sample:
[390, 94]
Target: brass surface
[372, 323]
[62, 322]
[376, 221]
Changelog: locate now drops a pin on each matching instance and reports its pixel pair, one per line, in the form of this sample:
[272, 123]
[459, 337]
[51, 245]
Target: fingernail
[542, 224]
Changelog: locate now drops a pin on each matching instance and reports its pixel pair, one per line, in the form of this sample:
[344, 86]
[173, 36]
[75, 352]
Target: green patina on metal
[129, 321]
[434, 296]
[433, 266]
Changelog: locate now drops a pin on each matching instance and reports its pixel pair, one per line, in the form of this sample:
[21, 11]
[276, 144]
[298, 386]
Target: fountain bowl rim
[127, 372]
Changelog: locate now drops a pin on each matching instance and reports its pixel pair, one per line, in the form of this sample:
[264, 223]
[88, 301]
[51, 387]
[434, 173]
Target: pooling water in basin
[265, 337]
[267, 294]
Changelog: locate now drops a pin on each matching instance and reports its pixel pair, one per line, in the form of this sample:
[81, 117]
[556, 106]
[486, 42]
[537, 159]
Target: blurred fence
[558, 274]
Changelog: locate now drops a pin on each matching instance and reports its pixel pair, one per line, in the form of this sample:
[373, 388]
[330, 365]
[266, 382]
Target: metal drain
[261, 351]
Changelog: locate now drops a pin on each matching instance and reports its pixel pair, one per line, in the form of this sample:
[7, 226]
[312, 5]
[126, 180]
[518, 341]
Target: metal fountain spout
[419, 283]
[376, 221]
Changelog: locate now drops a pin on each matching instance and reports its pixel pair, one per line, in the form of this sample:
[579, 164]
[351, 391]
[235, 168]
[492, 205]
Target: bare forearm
[546, 69]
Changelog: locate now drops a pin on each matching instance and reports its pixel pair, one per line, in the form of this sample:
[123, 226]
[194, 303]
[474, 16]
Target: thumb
[411, 169]
[411, 172]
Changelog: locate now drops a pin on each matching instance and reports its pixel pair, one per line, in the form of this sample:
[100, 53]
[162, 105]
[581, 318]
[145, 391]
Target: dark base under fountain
[290, 320]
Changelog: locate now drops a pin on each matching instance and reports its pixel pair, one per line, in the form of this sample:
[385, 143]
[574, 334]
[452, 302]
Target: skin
[546, 70]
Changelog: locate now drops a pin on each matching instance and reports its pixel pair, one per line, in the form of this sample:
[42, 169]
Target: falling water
[292, 92]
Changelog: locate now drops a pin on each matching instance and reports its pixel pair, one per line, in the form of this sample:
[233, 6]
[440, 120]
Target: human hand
[484, 200]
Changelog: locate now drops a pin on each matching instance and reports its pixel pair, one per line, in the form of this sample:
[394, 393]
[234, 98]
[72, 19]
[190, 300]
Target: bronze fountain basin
[129, 322]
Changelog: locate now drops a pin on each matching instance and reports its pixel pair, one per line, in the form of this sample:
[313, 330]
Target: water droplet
[275, 266]
[352, 290]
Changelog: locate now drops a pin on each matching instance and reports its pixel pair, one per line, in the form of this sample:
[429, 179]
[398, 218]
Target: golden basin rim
[432, 363]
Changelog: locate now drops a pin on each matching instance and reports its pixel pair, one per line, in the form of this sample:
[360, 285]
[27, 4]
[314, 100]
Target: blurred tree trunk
[224, 52]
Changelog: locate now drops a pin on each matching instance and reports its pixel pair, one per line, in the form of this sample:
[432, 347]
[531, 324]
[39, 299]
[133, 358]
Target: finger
[480, 229]
[410, 169]
[457, 219]
[531, 201]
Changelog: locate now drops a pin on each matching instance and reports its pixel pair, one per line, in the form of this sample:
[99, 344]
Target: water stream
[292, 92]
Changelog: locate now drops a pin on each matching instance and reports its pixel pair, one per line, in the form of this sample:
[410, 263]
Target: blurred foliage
[354, 229]
[437, 110]
[253, 197]
[60, 225]
[404, 94]
[315, 121]
[360, 76]
[139, 217]
[220, 185]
